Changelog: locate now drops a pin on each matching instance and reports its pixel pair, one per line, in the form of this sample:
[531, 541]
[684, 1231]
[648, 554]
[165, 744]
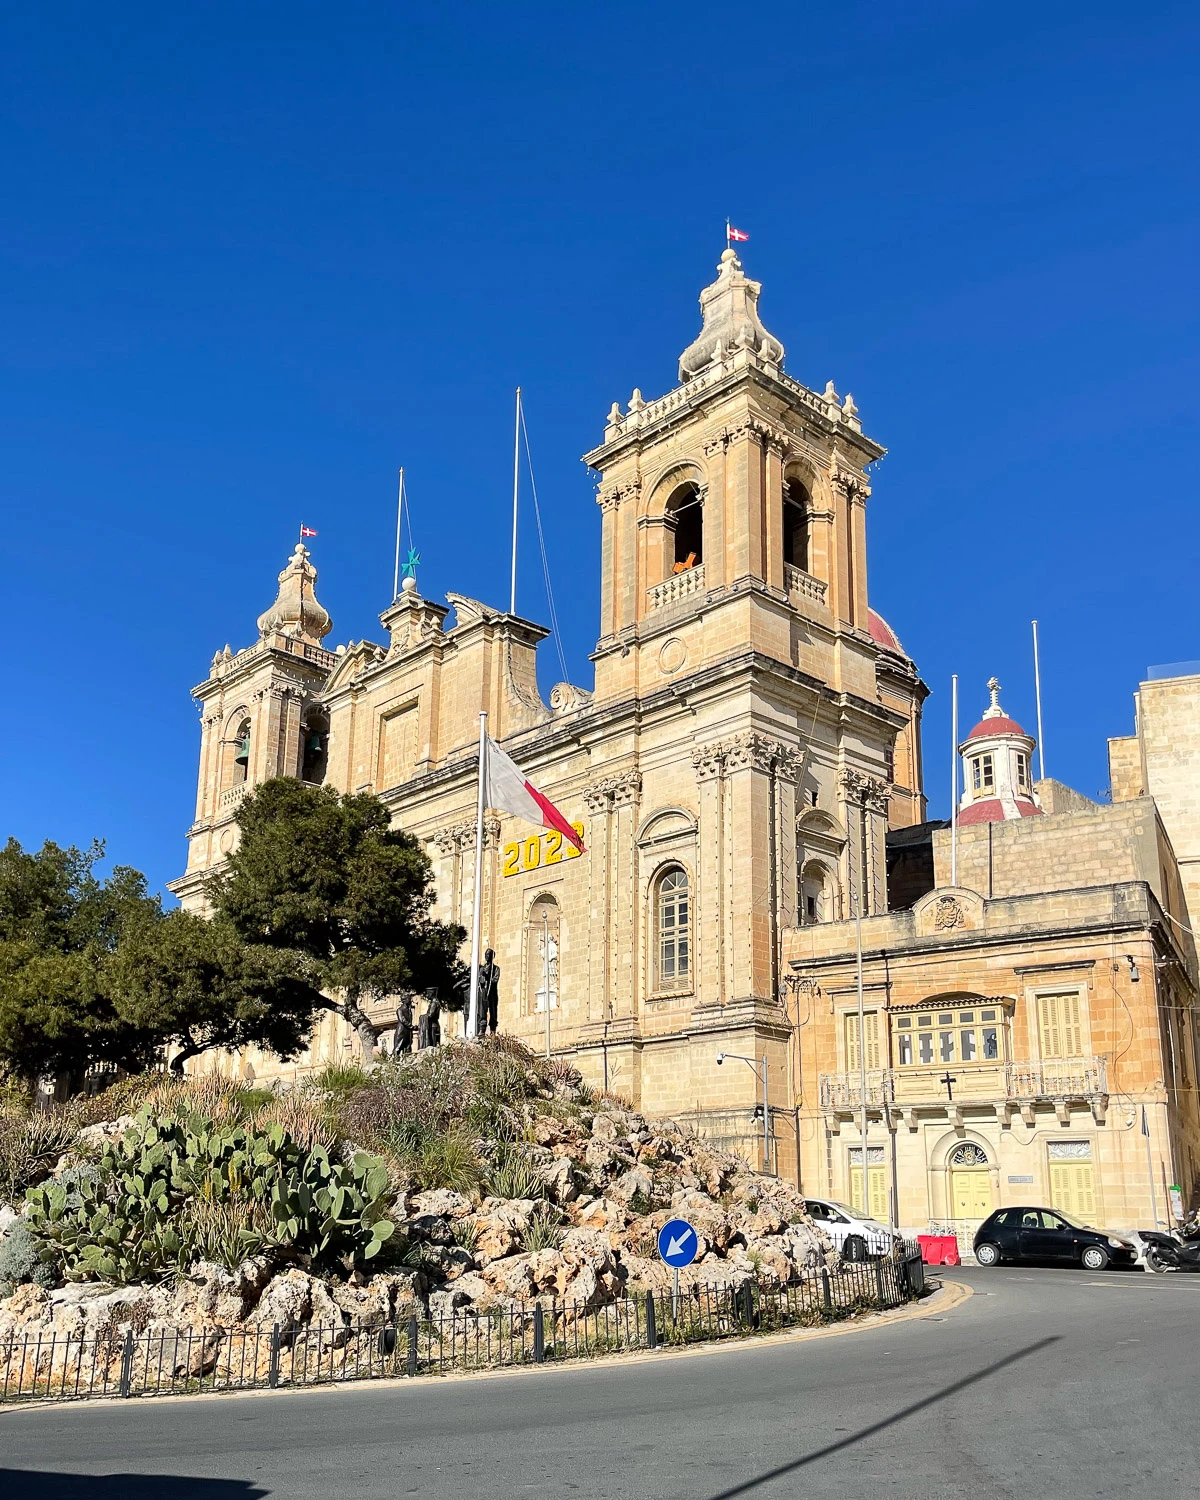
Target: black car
[1047, 1234]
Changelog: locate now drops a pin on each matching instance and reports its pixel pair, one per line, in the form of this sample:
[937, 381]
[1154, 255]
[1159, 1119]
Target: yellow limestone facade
[1031, 1025]
[752, 732]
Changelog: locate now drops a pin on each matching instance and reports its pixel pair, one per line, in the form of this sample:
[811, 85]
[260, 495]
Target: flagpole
[954, 780]
[512, 594]
[399, 514]
[477, 899]
[546, 968]
[1037, 688]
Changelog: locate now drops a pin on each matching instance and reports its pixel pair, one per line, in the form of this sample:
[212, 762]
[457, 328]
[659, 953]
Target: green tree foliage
[59, 926]
[194, 985]
[326, 881]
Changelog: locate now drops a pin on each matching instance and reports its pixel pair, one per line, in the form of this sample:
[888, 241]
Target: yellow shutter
[1072, 1189]
[1048, 1026]
[1072, 1030]
[871, 1030]
[879, 1206]
[871, 1027]
[1060, 1025]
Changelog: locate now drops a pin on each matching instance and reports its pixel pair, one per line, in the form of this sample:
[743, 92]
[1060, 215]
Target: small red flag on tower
[732, 234]
[307, 531]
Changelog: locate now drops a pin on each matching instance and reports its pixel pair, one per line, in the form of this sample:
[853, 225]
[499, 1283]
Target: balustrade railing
[678, 586]
[1058, 1078]
[803, 584]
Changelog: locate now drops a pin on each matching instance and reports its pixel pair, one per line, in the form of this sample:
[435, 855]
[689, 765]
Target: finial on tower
[994, 711]
[296, 612]
[731, 321]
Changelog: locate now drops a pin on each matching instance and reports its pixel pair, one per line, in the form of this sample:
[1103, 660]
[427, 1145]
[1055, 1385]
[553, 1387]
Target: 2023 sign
[541, 849]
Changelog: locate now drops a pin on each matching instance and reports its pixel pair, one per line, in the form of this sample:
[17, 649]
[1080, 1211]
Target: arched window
[815, 894]
[685, 516]
[315, 748]
[541, 955]
[673, 944]
[796, 506]
[241, 754]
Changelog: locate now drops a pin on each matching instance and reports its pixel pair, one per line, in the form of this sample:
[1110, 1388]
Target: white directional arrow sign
[678, 1243]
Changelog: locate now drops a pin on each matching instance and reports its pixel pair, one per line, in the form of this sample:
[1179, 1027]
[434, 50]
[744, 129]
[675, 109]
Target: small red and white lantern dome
[997, 768]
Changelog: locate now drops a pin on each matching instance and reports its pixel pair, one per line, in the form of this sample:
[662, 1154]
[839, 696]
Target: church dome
[883, 634]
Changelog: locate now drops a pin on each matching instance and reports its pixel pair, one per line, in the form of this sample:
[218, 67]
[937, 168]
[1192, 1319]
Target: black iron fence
[155, 1362]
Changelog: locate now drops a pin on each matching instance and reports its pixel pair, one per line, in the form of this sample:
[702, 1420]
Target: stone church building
[752, 733]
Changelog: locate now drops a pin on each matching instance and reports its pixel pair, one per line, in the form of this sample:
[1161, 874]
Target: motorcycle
[1177, 1251]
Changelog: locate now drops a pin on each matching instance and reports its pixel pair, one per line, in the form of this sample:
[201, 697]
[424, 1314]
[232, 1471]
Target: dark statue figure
[489, 994]
[429, 1030]
[404, 1026]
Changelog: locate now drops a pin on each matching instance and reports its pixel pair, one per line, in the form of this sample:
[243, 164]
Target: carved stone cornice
[866, 790]
[623, 789]
[709, 761]
[749, 750]
[849, 482]
[447, 840]
[457, 836]
[615, 495]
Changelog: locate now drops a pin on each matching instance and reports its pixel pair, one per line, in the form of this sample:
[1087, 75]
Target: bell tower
[261, 716]
[734, 513]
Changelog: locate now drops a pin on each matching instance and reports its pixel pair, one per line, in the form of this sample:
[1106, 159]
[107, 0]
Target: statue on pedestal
[429, 1028]
[404, 1027]
[489, 994]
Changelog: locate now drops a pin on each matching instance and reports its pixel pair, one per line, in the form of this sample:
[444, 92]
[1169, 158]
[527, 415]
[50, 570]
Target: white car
[854, 1235]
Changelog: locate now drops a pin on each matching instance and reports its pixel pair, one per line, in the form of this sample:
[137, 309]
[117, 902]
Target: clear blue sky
[256, 256]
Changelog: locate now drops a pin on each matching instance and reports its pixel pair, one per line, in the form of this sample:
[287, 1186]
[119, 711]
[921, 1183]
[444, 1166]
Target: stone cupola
[997, 768]
[296, 613]
[731, 321]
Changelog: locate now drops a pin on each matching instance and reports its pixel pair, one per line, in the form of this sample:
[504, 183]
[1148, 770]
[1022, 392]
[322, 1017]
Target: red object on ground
[939, 1249]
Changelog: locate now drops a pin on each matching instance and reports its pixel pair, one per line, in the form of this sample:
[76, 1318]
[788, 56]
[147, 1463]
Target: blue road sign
[678, 1243]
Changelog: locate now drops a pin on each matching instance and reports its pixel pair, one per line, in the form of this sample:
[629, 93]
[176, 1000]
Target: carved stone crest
[947, 914]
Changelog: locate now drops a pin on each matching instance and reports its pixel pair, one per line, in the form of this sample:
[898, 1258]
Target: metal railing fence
[125, 1362]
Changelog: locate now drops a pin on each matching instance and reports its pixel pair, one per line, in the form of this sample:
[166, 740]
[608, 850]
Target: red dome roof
[1001, 724]
[991, 810]
[883, 634]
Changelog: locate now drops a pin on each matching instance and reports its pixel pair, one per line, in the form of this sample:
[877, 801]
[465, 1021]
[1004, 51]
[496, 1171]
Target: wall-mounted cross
[949, 1080]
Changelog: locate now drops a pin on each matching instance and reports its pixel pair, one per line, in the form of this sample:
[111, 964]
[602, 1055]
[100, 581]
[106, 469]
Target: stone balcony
[1008, 1087]
[232, 796]
[675, 589]
[801, 585]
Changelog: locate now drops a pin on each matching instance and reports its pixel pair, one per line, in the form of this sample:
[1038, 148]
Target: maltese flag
[505, 789]
[739, 235]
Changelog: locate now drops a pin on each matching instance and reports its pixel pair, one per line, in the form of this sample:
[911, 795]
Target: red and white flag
[308, 531]
[506, 790]
[734, 234]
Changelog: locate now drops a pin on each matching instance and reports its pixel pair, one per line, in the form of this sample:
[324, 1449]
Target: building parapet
[679, 586]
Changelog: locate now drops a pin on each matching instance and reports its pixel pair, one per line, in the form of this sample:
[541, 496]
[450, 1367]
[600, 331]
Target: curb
[948, 1295]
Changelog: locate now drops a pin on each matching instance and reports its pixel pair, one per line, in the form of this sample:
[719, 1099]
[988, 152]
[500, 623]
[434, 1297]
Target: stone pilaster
[709, 897]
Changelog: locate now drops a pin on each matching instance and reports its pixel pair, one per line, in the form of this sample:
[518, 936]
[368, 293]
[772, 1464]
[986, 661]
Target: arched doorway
[970, 1182]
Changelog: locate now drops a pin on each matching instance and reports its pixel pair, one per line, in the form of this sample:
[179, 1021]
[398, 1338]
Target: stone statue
[489, 993]
[404, 1026]
[429, 1030]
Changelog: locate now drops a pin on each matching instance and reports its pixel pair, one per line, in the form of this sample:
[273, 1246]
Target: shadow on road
[24, 1484]
[857, 1437]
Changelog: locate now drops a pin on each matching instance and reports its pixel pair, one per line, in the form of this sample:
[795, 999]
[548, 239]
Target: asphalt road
[1046, 1382]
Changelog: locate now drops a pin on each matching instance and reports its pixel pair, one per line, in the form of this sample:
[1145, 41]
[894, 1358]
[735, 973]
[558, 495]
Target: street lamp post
[759, 1067]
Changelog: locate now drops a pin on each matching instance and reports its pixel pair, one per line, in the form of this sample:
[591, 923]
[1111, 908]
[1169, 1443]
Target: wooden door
[970, 1194]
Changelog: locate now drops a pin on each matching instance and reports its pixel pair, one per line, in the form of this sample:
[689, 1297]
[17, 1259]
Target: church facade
[752, 732]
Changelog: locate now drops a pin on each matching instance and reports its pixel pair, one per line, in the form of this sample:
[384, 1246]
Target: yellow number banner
[538, 850]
